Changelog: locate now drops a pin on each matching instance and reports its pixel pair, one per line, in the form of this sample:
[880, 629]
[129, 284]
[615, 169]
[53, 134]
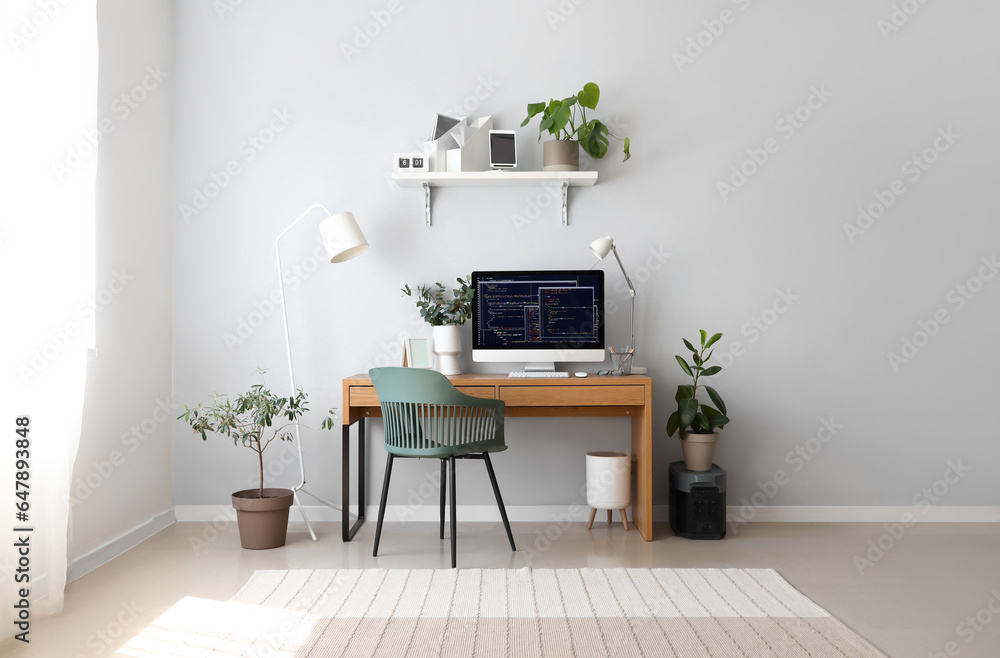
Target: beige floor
[910, 602]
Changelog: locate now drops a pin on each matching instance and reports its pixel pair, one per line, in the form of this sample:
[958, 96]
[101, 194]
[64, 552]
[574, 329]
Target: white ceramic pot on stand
[608, 484]
[447, 346]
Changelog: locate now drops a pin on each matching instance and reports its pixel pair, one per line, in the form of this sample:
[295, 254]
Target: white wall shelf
[559, 179]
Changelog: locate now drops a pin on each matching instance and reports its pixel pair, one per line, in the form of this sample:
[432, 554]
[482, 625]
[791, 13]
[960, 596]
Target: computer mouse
[580, 374]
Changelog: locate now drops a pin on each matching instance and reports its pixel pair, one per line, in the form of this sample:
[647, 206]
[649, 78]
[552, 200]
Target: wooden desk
[629, 396]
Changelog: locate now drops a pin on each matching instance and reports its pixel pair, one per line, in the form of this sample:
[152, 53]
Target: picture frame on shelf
[417, 352]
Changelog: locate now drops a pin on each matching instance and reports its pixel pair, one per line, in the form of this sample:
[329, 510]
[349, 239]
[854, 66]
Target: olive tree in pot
[698, 423]
[566, 120]
[249, 420]
[445, 316]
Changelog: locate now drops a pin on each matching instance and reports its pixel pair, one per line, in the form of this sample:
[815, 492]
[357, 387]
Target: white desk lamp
[601, 247]
[343, 241]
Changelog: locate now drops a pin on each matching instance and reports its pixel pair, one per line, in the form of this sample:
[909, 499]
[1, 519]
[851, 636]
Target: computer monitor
[538, 317]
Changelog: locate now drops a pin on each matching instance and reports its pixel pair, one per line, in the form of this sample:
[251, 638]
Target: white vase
[447, 345]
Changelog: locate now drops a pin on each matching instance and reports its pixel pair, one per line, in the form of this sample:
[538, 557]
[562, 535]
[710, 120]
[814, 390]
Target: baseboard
[103, 554]
[570, 513]
[397, 513]
[859, 514]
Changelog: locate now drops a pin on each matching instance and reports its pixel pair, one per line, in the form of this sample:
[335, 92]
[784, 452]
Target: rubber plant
[439, 311]
[567, 119]
[699, 417]
[250, 420]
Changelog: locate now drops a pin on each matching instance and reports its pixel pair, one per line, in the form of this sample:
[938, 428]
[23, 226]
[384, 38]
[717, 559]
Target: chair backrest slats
[424, 415]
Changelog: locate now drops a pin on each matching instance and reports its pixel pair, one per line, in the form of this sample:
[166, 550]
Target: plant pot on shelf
[263, 522]
[699, 450]
[447, 346]
[561, 155]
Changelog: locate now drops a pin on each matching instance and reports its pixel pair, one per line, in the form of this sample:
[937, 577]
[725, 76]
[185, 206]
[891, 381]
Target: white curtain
[48, 165]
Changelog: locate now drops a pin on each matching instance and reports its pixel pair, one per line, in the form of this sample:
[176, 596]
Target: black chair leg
[496, 492]
[444, 486]
[381, 504]
[454, 504]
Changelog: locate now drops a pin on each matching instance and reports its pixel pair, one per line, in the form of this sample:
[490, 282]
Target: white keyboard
[538, 374]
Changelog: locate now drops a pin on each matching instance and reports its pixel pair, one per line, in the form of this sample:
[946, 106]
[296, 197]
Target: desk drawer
[365, 396]
[572, 396]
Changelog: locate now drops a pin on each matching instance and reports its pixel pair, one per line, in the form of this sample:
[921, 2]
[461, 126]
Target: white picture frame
[503, 149]
[417, 352]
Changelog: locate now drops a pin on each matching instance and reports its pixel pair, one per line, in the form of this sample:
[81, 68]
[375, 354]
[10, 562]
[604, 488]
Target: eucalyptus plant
[439, 311]
[249, 419]
[700, 418]
[560, 119]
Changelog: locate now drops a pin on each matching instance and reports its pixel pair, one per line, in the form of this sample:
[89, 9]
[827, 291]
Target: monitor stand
[540, 366]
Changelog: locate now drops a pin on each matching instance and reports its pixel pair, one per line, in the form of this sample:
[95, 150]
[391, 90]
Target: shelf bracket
[565, 199]
[427, 203]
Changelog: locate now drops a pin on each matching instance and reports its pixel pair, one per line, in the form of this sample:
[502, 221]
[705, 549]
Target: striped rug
[514, 612]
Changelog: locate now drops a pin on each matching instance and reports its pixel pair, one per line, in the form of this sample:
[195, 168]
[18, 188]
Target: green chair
[425, 416]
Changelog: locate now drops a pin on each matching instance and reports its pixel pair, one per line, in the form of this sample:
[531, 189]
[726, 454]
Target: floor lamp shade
[342, 237]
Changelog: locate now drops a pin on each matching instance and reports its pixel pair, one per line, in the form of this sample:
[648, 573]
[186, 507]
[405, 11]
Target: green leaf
[717, 421]
[673, 423]
[701, 424]
[684, 366]
[533, 109]
[560, 117]
[626, 147]
[709, 411]
[711, 371]
[684, 391]
[590, 95]
[696, 358]
[688, 345]
[688, 409]
[716, 399]
[594, 139]
[713, 340]
[569, 101]
[704, 337]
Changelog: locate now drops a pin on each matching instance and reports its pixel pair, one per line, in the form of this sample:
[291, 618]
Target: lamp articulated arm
[631, 292]
[601, 247]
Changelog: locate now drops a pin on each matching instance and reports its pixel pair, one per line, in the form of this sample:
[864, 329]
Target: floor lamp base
[304, 489]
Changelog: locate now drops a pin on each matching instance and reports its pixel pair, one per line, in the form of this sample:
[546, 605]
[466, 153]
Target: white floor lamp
[343, 240]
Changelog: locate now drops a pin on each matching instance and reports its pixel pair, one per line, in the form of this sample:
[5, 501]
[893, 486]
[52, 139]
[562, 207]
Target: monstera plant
[567, 121]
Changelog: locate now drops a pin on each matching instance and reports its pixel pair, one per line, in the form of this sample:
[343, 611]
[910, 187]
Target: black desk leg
[348, 530]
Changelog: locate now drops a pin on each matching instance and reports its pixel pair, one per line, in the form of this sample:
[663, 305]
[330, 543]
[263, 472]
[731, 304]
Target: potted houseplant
[253, 420]
[561, 120]
[698, 423]
[445, 316]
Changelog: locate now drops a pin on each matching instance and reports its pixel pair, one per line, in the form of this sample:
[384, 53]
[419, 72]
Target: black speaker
[697, 502]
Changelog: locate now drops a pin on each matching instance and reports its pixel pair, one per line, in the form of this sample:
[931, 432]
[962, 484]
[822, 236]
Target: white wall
[701, 258]
[122, 481]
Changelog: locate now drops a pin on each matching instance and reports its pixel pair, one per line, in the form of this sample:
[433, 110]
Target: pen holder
[622, 361]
